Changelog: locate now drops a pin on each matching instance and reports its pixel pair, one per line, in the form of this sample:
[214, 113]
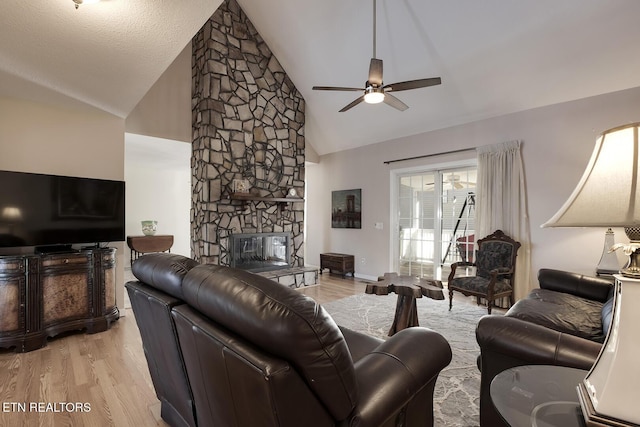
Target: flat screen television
[52, 211]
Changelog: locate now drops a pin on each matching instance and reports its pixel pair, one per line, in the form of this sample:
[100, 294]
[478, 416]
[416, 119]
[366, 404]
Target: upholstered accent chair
[495, 264]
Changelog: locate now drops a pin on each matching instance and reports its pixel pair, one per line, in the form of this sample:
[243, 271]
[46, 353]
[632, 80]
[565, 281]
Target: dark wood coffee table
[408, 288]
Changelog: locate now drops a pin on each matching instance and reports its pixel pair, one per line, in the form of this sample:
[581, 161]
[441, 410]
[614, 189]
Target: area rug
[457, 392]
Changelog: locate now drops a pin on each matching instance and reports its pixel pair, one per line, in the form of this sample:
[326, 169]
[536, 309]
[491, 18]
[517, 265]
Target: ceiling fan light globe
[373, 97]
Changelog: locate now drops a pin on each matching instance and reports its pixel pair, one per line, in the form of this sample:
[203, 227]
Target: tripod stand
[469, 203]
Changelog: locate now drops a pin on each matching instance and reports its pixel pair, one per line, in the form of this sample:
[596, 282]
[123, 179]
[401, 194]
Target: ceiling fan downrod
[374, 29]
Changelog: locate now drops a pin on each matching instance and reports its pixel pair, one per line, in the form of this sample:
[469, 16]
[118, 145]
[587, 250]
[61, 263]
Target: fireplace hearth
[258, 252]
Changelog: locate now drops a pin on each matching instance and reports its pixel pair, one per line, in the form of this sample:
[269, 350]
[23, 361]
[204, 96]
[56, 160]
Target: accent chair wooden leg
[450, 298]
[489, 303]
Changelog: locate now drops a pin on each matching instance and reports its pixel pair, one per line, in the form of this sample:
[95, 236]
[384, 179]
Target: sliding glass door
[435, 220]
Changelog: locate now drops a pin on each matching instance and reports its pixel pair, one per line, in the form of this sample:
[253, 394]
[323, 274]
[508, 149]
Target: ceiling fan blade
[350, 89]
[394, 102]
[412, 84]
[353, 104]
[375, 72]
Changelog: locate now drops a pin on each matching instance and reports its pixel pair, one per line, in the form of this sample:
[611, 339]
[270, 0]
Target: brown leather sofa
[564, 322]
[152, 304]
[253, 352]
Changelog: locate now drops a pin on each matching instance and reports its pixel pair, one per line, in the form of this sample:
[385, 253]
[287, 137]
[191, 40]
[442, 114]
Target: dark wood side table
[339, 263]
[408, 288]
[538, 395]
[141, 245]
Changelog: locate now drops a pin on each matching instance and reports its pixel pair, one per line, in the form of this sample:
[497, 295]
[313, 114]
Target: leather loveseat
[563, 322]
[227, 347]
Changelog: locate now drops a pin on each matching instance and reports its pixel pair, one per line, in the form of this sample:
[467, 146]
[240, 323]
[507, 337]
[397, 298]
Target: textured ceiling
[494, 57]
[106, 55]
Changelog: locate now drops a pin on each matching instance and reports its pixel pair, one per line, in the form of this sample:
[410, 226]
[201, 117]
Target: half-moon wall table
[141, 245]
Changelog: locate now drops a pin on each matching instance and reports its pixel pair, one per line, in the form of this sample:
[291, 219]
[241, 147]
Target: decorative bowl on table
[149, 228]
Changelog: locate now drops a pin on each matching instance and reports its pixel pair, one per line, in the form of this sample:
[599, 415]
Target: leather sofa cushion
[163, 271]
[281, 321]
[562, 312]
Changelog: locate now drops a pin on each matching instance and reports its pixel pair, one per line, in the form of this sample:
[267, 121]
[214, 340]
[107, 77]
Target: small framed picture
[240, 185]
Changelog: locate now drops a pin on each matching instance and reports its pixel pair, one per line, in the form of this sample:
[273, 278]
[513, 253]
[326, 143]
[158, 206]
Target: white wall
[82, 142]
[558, 141]
[157, 159]
[158, 179]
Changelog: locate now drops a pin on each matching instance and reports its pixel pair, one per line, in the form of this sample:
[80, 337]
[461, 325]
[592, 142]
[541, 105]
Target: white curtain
[502, 204]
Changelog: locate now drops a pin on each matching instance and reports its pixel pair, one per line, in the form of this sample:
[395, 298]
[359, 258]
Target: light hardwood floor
[332, 287]
[104, 377]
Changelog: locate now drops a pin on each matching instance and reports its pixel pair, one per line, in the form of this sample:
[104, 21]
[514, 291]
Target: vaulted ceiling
[494, 57]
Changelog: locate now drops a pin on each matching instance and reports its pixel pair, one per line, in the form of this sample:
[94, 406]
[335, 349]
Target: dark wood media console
[44, 295]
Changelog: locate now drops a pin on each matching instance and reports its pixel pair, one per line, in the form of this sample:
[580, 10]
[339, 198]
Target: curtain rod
[429, 155]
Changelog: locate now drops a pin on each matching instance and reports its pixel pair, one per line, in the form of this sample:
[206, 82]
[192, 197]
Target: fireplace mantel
[282, 201]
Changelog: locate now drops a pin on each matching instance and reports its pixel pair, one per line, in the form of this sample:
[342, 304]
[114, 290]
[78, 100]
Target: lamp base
[632, 269]
[608, 264]
[608, 394]
[593, 419]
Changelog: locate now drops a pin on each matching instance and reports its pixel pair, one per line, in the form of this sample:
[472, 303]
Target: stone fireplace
[257, 252]
[248, 126]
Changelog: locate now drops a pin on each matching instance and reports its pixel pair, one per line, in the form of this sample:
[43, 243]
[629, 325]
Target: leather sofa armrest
[513, 342]
[396, 371]
[593, 288]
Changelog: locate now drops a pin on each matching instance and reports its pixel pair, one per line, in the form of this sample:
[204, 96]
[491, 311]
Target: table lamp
[606, 196]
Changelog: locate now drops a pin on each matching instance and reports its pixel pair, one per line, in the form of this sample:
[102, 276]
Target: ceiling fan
[455, 181]
[375, 91]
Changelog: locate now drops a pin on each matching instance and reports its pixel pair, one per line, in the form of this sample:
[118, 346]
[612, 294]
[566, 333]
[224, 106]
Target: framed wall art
[346, 208]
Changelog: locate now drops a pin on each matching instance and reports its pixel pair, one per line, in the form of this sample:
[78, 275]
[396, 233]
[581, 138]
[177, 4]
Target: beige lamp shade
[608, 191]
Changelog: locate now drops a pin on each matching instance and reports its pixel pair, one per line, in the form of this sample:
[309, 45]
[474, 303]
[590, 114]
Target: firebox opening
[260, 251]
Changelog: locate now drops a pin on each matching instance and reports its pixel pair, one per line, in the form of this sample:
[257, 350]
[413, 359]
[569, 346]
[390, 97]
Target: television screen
[40, 210]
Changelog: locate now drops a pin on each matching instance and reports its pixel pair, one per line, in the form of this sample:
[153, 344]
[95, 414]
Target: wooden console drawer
[12, 265]
[338, 263]
[66, 260]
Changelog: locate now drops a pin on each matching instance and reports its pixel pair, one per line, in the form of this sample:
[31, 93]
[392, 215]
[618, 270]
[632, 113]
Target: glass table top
[538, 396]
